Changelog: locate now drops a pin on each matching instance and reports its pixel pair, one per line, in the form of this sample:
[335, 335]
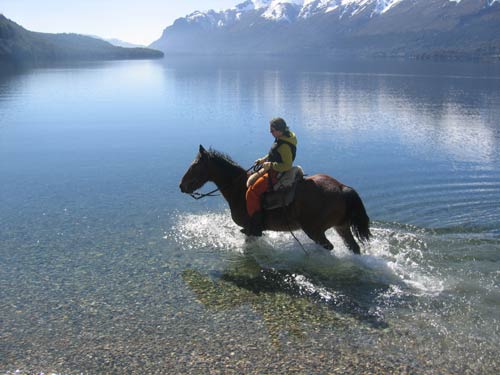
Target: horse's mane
[225, 161]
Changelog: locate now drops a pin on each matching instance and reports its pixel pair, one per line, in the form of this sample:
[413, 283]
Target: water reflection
[419, 112]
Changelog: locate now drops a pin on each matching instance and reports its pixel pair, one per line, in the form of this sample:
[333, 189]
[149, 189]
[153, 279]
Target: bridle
[196, 195]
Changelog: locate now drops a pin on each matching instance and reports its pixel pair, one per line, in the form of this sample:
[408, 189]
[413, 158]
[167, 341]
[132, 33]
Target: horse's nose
[182, 188]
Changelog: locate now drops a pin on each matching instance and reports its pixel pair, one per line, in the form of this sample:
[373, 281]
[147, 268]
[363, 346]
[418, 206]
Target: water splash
[395, 260]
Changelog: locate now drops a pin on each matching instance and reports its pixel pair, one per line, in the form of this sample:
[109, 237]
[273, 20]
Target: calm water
[105, 267]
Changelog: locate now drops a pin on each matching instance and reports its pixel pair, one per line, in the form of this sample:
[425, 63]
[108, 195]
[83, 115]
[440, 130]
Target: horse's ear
[202, 150]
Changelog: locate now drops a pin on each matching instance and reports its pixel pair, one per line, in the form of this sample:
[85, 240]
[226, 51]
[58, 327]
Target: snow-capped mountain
[291, 10]
[287, 10]
[394, 27]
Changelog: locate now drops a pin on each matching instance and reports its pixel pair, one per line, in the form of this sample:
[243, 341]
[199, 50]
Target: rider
[279, 159]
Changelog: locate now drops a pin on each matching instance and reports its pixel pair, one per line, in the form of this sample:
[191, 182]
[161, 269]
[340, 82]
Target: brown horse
[320, 203]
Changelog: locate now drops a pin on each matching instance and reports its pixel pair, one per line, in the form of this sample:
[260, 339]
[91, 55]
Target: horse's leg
[318, 237]
[346, 234]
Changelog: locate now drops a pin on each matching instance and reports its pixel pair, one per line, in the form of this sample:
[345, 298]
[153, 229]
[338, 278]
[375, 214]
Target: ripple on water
[436, 201]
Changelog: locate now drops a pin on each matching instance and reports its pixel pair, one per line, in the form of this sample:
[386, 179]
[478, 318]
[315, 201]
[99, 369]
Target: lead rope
[291, 231]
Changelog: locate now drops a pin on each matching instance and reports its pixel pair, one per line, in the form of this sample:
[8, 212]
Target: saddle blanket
[283, 191]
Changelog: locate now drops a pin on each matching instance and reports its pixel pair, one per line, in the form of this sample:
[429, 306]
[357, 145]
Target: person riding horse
[321, 202]
[278, 161]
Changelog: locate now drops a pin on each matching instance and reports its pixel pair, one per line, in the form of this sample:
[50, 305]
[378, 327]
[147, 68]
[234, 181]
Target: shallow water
[105, 267]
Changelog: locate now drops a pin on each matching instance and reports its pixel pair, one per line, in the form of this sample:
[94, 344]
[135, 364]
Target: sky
[134, 21]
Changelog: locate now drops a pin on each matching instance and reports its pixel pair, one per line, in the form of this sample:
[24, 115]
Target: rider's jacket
[283, 151]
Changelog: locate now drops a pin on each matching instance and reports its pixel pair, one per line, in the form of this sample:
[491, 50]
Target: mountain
[117, 42]
[122, 43]
[404, 28]
[20, 45]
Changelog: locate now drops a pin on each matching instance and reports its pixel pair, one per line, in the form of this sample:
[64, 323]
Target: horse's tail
[360, 222]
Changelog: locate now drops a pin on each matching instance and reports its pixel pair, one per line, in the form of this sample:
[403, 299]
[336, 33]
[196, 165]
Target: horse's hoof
[327, 246]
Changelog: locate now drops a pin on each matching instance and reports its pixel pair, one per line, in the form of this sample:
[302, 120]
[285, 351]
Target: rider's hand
[266, 166]
[260, 161]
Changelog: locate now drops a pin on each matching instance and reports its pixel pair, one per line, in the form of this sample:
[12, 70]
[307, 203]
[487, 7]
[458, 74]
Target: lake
[105, 267]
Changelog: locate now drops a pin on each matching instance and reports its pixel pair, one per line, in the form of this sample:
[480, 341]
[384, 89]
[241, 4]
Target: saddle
[283, 192]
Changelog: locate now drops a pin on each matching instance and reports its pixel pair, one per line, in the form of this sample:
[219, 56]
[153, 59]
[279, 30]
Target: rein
[196, 195]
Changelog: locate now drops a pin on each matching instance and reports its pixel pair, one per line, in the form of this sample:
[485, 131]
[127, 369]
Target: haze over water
[106, 267]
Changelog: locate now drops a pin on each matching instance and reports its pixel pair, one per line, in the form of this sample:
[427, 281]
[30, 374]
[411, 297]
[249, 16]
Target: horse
[320, 202]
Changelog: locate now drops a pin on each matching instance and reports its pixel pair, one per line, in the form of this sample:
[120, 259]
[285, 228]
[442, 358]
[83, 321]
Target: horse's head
[197, 174]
